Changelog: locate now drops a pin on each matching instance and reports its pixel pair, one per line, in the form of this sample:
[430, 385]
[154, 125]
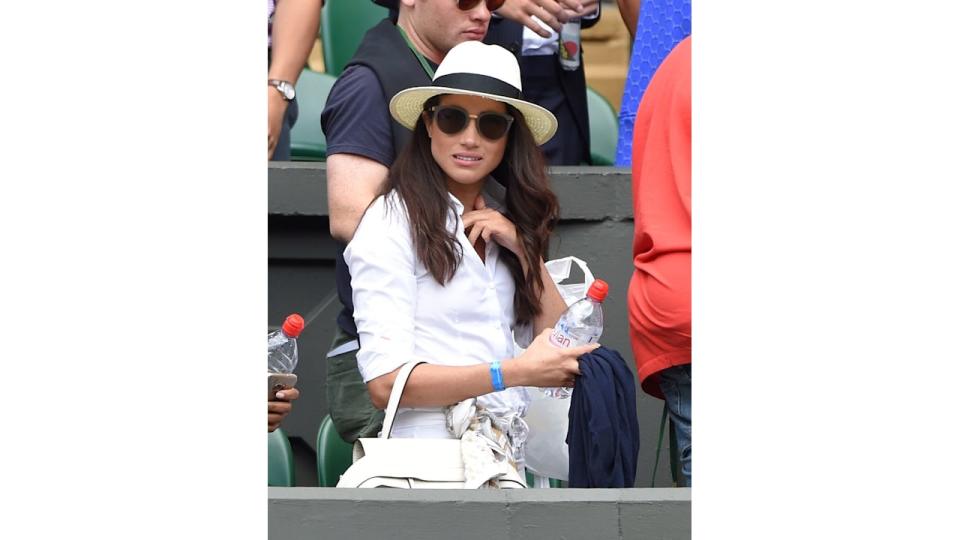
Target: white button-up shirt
[402, 313]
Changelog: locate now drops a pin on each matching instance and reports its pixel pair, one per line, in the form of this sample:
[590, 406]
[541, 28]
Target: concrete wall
[596, 225]
[529, 514]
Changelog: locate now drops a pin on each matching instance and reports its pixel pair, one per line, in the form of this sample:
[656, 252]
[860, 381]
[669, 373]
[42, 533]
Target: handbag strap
[395, 393]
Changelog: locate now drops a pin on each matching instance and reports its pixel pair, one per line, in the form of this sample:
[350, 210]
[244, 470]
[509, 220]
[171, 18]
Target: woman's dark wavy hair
[530, 204]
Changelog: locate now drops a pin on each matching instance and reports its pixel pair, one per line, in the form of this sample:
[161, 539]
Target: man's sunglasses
[452, 120]
[467, 5]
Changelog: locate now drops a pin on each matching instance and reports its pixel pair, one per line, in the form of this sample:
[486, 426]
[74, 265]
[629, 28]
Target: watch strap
[278, 83]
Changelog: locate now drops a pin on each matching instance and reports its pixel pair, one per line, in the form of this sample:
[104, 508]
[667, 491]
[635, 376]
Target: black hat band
[474, 82]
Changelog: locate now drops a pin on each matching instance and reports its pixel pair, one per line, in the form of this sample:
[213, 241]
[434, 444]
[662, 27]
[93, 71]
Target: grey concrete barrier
[530, 514]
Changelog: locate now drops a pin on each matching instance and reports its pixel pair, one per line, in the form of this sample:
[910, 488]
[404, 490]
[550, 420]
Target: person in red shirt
[659, 294]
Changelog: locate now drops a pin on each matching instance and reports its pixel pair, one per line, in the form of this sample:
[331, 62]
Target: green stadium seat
[280, 460]
[307, 142]
[554, 483]
[342, 26]
[603, 129]
[334, 455]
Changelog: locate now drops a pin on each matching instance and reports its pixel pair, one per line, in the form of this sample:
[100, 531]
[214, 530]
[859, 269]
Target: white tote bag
[410, 463]
[546, 447]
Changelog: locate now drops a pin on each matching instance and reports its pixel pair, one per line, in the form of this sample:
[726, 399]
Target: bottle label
[563, 338]
[569, 49]
[559, 338]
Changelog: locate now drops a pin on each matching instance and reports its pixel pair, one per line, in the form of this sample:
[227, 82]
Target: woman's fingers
[479, 214]
[576, 353]
[480, 224]
[474, 234]
[584, 349]
[554, 366]
[473, 216]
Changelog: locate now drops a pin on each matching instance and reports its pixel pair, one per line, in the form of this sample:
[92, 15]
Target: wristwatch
[285, 88]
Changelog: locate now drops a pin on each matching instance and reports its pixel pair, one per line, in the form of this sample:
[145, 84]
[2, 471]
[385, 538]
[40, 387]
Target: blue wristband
[497, 376]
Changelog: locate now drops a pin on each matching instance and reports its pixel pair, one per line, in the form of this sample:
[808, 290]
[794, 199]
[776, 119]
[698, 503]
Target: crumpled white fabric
[491, 442]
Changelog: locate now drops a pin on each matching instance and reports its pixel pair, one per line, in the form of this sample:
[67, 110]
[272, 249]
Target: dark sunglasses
[467, 5]
[452, 120]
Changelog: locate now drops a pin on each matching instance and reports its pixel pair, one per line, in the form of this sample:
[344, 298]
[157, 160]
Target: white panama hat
[473, 68]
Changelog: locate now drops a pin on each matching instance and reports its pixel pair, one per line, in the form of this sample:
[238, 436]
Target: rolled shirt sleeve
[381, 258]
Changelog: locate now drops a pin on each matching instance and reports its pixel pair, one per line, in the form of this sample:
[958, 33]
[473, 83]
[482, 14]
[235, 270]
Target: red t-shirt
[659, 293]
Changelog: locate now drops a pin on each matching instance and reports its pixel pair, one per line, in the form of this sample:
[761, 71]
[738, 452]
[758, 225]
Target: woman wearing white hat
[447, 263]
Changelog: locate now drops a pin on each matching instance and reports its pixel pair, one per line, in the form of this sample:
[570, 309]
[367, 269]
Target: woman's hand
[545, 365]
[487, 223]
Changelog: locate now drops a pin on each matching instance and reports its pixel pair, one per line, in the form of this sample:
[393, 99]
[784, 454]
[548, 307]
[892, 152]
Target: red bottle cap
[293, 325]
[598, 290]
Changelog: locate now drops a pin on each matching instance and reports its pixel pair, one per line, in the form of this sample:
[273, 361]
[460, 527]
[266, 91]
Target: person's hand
[487, 223]
[276, 109]
[547, 366]
[280, 406]
[553, 13]
[581, 8]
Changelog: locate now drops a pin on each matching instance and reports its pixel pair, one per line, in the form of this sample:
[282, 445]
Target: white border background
[135, 282]
[825, 269]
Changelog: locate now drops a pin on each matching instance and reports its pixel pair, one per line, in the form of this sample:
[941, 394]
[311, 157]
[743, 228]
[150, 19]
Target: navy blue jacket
[603, 435]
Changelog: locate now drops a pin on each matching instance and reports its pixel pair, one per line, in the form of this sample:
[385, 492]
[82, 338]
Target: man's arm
[295, 25]
[356, 121]
[629, 11]
[352, 182]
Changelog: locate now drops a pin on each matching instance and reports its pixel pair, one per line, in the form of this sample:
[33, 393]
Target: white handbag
[410, 463]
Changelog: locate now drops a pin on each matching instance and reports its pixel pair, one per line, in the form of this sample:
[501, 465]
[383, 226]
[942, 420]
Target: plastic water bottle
[569, 47]
[580, 324]
[282, 345]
